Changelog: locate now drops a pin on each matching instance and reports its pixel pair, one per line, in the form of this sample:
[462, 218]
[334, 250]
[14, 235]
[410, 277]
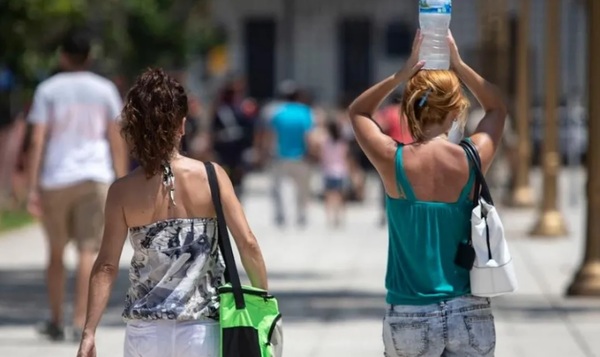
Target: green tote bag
[249, 317]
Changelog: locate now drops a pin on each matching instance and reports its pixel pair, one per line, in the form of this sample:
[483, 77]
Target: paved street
[330, 285]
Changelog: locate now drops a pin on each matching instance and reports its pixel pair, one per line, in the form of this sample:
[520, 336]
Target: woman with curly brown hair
[429, 185]
[166, 209]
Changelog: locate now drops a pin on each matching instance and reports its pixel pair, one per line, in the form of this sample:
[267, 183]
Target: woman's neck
[176, 156]
[430, 134]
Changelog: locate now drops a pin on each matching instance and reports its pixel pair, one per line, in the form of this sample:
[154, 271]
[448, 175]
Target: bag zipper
[262, 294]
[487, 238]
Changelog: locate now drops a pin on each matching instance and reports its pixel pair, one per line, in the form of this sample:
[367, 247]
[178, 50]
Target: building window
[398, 39]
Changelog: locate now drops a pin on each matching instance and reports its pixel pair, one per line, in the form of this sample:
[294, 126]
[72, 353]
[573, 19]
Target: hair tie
[424, 98]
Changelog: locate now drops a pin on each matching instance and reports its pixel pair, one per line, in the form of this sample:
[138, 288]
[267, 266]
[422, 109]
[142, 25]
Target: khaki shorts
[75, 213]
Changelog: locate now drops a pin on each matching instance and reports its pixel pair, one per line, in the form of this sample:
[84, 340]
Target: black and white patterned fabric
[175, 271]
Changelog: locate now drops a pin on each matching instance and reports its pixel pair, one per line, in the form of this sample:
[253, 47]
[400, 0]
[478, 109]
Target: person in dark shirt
[232, 132]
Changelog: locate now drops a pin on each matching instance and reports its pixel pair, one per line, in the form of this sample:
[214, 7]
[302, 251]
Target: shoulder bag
[249, 317]
[493, 272]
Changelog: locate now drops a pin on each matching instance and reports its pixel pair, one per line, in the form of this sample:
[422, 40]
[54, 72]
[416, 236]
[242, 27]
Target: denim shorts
[333, 183]
[462, 327]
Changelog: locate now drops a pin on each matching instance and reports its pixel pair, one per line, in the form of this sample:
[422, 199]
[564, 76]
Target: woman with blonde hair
[429, 186]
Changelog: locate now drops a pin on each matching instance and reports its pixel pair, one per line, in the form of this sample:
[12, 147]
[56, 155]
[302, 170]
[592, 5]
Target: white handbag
[493, 271]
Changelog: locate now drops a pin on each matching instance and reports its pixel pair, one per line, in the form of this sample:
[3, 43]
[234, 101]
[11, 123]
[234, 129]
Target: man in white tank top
[76, 152]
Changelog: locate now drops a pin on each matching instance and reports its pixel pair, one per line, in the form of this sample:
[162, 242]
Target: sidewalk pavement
[330, 284]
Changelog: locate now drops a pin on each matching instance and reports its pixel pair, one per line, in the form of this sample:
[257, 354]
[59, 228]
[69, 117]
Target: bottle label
[435, 6]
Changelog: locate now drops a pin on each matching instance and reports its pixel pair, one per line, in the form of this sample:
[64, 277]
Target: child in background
[334, 164]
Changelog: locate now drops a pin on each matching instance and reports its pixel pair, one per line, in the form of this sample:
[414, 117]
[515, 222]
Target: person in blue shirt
[429, 185]
[290, 125]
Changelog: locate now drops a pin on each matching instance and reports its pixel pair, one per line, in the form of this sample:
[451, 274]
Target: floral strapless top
[175, 271]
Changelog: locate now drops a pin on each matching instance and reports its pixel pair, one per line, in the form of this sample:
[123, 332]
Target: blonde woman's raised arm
[378, 146]
[488, 134]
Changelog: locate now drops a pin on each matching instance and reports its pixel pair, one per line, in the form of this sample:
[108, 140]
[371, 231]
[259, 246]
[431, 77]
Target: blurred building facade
[337, 47]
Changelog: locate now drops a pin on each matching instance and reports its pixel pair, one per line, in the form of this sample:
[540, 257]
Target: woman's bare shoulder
[124, 186]
[192, 169]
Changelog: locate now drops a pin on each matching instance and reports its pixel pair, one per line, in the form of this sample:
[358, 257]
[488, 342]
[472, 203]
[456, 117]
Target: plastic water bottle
[434, 19]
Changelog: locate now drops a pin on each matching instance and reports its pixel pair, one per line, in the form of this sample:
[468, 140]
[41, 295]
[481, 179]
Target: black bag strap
[481, 188]
[231, 273]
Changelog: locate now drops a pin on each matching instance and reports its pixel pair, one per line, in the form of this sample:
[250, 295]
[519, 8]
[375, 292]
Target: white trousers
[166, 338]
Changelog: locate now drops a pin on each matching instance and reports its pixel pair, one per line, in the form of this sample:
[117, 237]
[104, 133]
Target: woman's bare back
[147, 201]
[437, 171]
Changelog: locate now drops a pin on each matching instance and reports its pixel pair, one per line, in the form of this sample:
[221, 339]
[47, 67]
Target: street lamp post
[522, 195]
[587, 279]
[550, 221]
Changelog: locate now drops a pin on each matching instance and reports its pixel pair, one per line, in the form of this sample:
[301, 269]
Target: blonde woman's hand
[413, 65]
[455, 59]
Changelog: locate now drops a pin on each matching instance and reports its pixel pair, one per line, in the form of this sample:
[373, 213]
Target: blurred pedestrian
[232, 131]
[263, 142]
[192, 127]
[76, 152]
[10, 143]
[358, 176]
[197, 141]
[334, 166]
[165, 208]
[319, 132]
[393, 122]
[290, 129]
[17, 155]
[431, 311]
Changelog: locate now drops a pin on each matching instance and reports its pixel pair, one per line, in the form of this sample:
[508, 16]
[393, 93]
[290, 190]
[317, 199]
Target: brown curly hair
[444, 95]
[152, 117]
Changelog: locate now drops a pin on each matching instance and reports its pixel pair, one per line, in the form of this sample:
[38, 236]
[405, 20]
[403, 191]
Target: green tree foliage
[129, 34]
[162, 26]
[30, 31]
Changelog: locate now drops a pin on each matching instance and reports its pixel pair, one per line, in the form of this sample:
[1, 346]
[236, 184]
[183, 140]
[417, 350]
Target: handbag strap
[481, 188]
[231, 273]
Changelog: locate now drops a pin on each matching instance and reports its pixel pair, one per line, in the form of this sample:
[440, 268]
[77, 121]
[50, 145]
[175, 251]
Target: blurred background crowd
[243, 61]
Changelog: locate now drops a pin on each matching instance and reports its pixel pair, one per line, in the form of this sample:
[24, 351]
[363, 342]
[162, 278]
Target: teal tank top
[423, 241]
